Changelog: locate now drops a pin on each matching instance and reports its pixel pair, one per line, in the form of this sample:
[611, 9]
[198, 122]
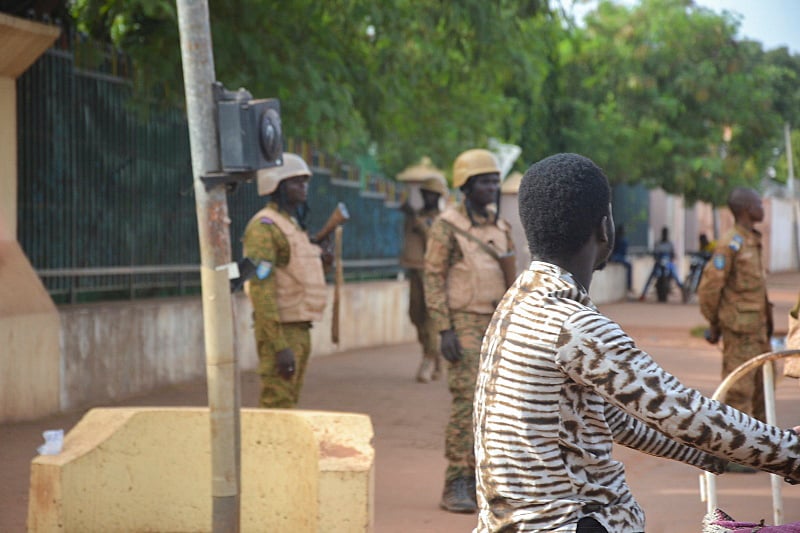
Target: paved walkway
[409, 421]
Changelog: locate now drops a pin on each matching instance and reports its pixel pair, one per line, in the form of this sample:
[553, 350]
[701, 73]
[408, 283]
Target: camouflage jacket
[269, 249]
[733, 291]
[415, 235]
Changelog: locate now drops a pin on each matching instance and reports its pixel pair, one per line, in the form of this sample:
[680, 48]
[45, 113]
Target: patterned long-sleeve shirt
[266, 245]
[559, 382]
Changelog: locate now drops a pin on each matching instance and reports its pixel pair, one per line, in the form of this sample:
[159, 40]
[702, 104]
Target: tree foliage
[661, 93]
[404, 78]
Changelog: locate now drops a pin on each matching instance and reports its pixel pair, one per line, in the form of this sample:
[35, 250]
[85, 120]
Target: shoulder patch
[736, 243]
[263, 269]
[266, 220]
[719, 261]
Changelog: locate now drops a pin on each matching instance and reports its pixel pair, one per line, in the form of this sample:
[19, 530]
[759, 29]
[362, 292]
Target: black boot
[471, 490]
[456, 497]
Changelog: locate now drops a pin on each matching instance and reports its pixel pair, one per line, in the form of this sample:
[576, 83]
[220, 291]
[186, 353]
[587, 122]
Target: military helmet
[472, 163]
[269, 178]
[436, 185]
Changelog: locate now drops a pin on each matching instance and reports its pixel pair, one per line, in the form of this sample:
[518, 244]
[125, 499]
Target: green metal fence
[105, 198]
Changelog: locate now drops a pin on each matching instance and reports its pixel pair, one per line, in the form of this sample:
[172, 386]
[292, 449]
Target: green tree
[787, 104]
[660, 93]
[657, 88]
[403, 78]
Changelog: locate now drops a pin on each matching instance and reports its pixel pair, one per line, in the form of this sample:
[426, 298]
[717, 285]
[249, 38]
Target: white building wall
[781, 247]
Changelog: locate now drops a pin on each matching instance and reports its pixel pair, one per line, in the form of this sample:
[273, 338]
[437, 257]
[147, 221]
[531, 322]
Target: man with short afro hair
[559, 383]
[577, 189]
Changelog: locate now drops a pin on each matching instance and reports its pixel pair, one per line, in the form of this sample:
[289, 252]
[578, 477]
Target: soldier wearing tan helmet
[463, 284]
[288, 291]
[415, 235]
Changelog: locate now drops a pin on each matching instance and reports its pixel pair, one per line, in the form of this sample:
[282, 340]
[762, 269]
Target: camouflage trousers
[276, 391]
[461, 378]
[427, 335]
[747, 394]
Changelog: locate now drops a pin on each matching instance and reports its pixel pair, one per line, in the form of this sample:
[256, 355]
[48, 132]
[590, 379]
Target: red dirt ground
[409, 419]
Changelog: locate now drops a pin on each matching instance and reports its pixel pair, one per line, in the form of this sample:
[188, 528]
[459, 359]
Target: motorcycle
[663, 277]
[696, 264]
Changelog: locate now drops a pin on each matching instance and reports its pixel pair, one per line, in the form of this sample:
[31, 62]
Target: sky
[772, 22]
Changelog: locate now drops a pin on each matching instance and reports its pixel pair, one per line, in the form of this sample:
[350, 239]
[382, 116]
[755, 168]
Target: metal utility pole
[787, 135]
[215, 255]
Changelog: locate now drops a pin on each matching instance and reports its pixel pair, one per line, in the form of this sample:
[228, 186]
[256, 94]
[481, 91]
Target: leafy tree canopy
[661, 92]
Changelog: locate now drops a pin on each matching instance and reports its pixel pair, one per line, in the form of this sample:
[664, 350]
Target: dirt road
[409, 419]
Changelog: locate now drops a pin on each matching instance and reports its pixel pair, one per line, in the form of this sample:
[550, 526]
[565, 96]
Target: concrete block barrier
[149, 469]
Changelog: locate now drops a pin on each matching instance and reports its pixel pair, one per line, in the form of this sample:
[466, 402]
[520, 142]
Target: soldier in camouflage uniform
[463, 284]
[288, 290]
[415, 235]
[733, 298]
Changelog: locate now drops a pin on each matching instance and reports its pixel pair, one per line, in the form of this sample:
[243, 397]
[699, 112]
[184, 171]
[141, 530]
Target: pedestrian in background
[464, 281]
[620, 255]
[560, 382]
[663, 249]
[415, 235]
[288, 290]
[733, 298]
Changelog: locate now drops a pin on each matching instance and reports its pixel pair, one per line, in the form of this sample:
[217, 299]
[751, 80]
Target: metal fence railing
[106, 205]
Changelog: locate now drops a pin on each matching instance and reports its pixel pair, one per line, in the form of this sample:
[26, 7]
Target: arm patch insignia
[736, 243]
[263, 269]
[266, 220]
[719, 261]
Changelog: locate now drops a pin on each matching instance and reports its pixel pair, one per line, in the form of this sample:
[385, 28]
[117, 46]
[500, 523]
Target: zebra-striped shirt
[558, 383]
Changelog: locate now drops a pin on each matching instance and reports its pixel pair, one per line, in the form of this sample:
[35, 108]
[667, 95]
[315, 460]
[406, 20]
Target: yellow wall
[30, 357]
[149, 469]
[29, 323]
[8, 159]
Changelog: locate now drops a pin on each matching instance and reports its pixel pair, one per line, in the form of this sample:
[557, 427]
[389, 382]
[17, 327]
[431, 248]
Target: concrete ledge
[114, 350]
[346, 471]
[30, 357]
[149, 469]
[22, 42]
[608, 285]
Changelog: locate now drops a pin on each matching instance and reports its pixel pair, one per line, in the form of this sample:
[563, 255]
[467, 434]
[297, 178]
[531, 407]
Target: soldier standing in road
[288, 291]
[415, 234]
[463, 283]
[733, 298]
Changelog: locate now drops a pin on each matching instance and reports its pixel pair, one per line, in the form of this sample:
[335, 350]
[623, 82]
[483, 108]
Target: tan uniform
[463, 285]
[287, 293]
[415, 235]
[792, 366]
[733, 296]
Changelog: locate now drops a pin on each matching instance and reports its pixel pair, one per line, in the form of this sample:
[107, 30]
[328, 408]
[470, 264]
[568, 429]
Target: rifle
[338, 217]
[334, 223]
[508, 264]
[338, 282]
